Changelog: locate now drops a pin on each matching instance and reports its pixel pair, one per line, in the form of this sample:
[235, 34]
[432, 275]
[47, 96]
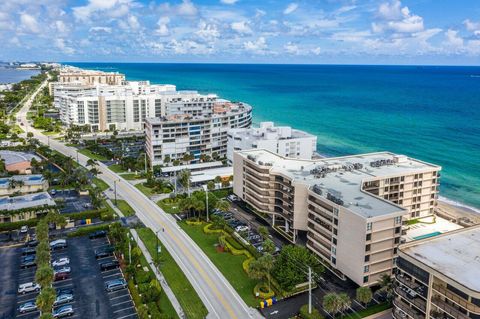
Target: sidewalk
[159, 275]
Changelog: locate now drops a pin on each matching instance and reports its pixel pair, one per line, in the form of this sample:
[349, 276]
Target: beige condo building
[351, 208]
[439, 277]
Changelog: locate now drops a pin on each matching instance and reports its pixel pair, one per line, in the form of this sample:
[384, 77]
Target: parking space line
[126, 295]
[107, 271]
[120, 303]
[130, 315]
[108, 276]
[123, 309]
[112, 292]
[23, 301]
[27, 314]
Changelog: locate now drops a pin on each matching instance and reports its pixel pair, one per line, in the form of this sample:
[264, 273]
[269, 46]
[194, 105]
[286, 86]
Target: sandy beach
[456, 212]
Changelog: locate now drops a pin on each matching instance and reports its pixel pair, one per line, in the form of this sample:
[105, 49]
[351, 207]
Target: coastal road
[219, 297]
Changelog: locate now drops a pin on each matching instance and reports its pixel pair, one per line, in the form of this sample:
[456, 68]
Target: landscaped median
[191, 303]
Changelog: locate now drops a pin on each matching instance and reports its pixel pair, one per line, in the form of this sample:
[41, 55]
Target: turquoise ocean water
[430, 113]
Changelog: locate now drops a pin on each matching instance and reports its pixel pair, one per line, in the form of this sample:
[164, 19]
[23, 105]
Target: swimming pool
[427, 235]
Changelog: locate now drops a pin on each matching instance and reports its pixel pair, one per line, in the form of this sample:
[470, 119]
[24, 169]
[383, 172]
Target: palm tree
[263, 231]
[364, 295]
[223, 205]
[42, 257]
[45, 299]
[268, 246]
[219, 222]
[260, 269]
[44, 275]
[46, 315]
[184, 179]
[211, 185]
[344, 301]
[95, 196]
[331, 303]
[386, 284]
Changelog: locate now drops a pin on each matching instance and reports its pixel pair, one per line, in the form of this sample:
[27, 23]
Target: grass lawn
[50, 133]
[189, 300]
[88, 153]
[228, 264]
[144, 189]
[100, 184]
[369, 311]
[222, 193]
[117, 168]
[17, 129]
[126, 209]
[170, 208]
[132, 176]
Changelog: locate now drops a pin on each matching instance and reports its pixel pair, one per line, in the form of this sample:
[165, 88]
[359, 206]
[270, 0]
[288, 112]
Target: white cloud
[15, 41]
[228, 1]
[472, 26]
[29, 23]
[188, 47]
[291, 48]
[61, 26]
[207, 31]
[61, 45]
[162, 27]
[259, 46]
[241, 27]
[186, 8]
[395, 18]
[391, 10]
[5, 21]
[100, 29]
[316, 51]
[290, 8]
[130, 23]
[453, 39]
[111, 8]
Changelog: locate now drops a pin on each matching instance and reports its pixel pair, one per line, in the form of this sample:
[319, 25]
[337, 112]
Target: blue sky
[268, 31]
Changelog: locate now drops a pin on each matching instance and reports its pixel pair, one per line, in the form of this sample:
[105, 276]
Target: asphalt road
[219, 297]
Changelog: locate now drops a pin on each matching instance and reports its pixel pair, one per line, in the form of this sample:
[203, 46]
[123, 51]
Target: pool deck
[426, 228]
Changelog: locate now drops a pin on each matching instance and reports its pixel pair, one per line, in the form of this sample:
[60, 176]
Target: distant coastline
[13, 75]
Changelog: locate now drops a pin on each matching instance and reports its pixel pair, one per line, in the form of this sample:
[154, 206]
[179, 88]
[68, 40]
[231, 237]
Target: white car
[61, 262]
[28, 287]
[241, 228]
[24, 229]
[62, 299]
[58, 242]
[28, 306]
[65, 269]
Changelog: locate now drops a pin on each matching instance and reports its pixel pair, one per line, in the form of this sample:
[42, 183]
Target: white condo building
[124, 107]
[196, 127]
[282, 140]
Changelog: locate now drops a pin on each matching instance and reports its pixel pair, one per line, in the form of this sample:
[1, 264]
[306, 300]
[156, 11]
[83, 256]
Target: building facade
[22, 184]
[438, 277]
[282, 140]
[353, 229]
[200, 130]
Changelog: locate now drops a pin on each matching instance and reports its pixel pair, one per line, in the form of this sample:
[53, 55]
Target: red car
[61, 276]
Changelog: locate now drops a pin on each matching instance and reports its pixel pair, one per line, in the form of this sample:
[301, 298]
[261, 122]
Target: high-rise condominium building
[194, 128]
[351, 208]
[282, 140]
[124, 107]
[439, 277]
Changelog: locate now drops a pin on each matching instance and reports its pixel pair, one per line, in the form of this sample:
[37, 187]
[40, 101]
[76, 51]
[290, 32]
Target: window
[335, 232]
[367, 247]
[334, 240]
[397, 230]
[334, 260]
[398, 220]
[335, 221]
[369, 237]
[397, 240]
[366, 268]
[365, 279]
[335, 211]
[367, 258]
[334, 250]
[369, 226]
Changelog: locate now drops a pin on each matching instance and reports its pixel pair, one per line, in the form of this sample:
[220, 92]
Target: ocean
[9, 75]
[427, 112]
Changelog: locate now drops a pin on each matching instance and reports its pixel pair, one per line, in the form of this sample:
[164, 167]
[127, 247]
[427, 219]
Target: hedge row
[17, 225]
[88, 229]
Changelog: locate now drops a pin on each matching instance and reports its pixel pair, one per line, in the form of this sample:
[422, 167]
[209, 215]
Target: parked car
[232, 198]
[28, 263]
[63, 299]
[227, 215]
[24, 229]
[58, 246]
[53, 192]
[115, 284]
[64, 291]
[31, 243]
[105, 252]
[242, 228]
[28, 251]
[61, 276]
[109, 265]
[61, 262]
[64, 311]
[28, 287]
[61, 269]
[28, 306]
[98, 234]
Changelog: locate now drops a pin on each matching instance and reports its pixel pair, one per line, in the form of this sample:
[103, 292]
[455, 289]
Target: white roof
[210, 174]
[178, 168]
[26, 201]
[455, 255]
[35, 179]
[11, 157]
[345, 184]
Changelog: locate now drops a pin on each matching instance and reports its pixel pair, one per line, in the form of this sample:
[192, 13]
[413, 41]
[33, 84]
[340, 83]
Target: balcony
[412, 313]
[455, 298]
[419, 303]
[449, 309]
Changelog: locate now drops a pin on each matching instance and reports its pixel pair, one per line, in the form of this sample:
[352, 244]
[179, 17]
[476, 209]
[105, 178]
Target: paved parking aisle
[9, 263]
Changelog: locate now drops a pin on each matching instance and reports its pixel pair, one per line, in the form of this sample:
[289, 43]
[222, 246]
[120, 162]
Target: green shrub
[135, 296]
[261, 294]
[142, 277]
[107, 216]
[143, 312]
[314, 315]
[153, 310]
[17, 225]
[88, 230]
[88, 214]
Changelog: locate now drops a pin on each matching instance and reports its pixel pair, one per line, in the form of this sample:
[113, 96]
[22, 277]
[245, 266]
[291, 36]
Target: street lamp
[158, 247]
[77, 157]
[206, 200]
[115, 190]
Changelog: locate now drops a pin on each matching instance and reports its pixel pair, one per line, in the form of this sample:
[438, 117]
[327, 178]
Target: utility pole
[206, 199]
[48, 139]
[175, 184]
[145, 162]
[77, 158]
[309, 289]
[115, 191]
[129, 250]
[156, 233]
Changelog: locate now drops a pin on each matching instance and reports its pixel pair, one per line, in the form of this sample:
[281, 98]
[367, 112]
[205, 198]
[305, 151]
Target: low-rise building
[19, 162]
[352, 226]
[22, 184]
[282, 140]
[439, 277]
[197, 131]
[18, 208]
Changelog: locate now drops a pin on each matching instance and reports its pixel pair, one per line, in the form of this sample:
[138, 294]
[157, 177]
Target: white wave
[458, 204]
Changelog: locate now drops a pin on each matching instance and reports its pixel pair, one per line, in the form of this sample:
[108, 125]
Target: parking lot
[73, 202]
[86, 281]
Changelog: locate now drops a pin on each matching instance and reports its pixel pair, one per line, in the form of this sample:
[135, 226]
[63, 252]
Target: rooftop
[11, 157]
[26, 201]
[267, 131]
[171, 169]
[455, 255]
[26, 179]
[340, 179]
